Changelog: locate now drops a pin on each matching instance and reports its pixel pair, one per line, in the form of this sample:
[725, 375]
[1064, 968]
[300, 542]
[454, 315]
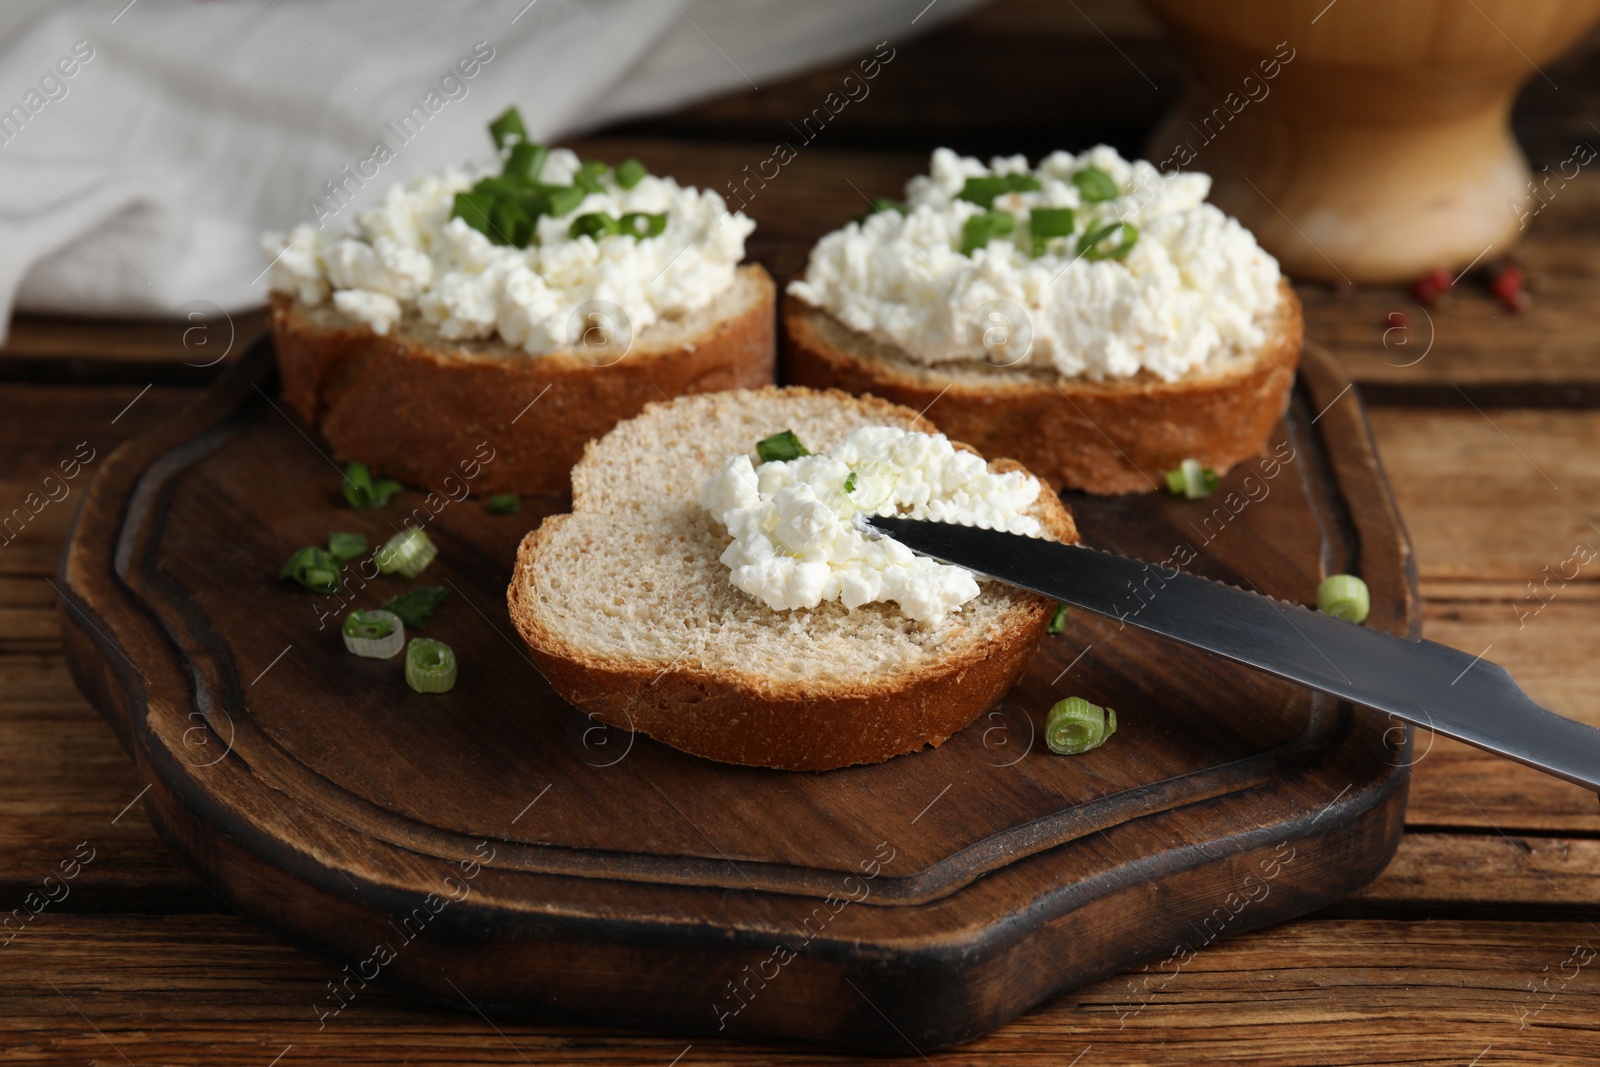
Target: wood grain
[1536, 465]
[1335, 993]
[1483, 876]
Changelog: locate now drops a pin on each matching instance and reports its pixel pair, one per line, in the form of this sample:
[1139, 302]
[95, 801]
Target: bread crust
[737, 716]
[416, 411]
[1103, 437]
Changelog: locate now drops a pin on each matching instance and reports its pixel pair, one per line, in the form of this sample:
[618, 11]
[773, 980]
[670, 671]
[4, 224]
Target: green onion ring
[1192, 480]
[313, 568]
[1075, 726]
[374, 634]
[1344, 596]
[430, 665]
[408, 552]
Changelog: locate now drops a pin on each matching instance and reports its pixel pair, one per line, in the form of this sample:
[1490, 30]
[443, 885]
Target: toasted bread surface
[1114, 436]
[414, 405]
[632, 617]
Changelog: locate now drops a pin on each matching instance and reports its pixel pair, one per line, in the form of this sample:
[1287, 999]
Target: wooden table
[1479, 943]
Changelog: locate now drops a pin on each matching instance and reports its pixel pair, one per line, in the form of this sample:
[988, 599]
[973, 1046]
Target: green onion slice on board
[345, 547]
[362, 490]
[414, 606]
[312, 568]
[1075, 726]
[1192, 480]
[407, 553]
[374, 634]
[430, 665]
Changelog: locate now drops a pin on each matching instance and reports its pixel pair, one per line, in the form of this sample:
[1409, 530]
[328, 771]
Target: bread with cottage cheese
[1107, 437]
[414, 405]
[632, 618]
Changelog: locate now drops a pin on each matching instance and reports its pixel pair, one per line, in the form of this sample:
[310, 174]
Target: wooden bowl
[1364, 140]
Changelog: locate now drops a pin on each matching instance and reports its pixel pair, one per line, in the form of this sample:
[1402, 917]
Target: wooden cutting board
[493, 849]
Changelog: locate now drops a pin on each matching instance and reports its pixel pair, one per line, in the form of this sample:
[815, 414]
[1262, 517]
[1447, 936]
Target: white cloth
[142, 181]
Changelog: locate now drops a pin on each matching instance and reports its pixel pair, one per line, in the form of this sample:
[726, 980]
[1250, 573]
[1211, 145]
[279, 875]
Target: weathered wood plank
[178, 339]
[211, 989]
[1460, 875]
[1494, 494]
[54, 438]
[65, 781]
[1552, 657]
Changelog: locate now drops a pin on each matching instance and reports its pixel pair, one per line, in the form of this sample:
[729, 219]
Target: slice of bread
[1103, 437]
[632, 617]
[414, 405]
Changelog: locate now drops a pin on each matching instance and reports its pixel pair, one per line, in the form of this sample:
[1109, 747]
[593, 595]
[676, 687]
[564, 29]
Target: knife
[1424, 683]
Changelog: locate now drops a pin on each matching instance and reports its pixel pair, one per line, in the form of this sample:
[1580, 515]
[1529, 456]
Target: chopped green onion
[1075, 726]
[312, 568]
[564, 199]
[501, 187]
[595, 224]
[474, 208]
[591, 177]
[871, 485]
[1192, 480]
[430, 665]
[783, 445]
[1052, 221]
[363, 491]
[374, 634]
[508, 128]
[1095, 185]
[982, 191]
[506, 208]
[504, 504]
[1047, 222]
[414, 606]
[979, 230]
[1058, 621]
[370, 624]
[525, 161]
[510, 224]
[640, 224]
[635, 224]
[1089, 243]
[1344, 596]
[629, 172]
[345, 547]
[408, 552]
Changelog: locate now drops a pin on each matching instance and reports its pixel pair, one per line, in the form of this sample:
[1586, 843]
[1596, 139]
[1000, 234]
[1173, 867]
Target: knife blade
[1424, 683]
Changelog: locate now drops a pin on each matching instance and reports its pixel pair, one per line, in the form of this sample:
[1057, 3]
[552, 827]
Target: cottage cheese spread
[795, 543]
[407, 255]
[1194, 285]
